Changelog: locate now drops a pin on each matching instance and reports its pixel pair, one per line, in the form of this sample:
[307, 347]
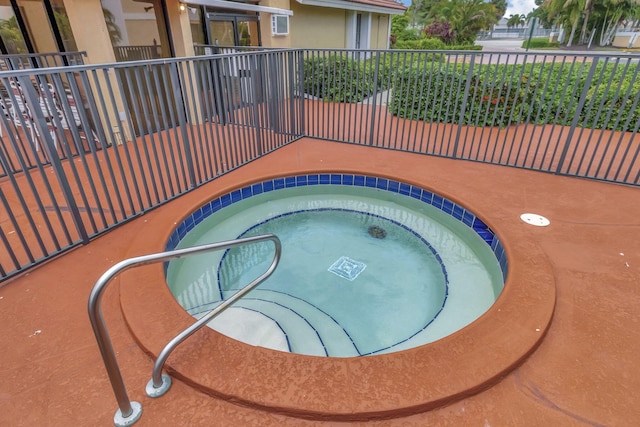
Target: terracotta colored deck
[584, 371]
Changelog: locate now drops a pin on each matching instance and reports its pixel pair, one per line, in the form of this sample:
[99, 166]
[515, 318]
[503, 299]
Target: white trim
[225, 4]
[349, 5]
[366, 29]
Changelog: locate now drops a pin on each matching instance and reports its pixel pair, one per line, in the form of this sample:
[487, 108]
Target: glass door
[222, 32]
[10, 33]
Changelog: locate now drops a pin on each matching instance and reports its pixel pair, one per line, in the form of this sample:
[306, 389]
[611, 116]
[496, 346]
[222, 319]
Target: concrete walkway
[584, 372]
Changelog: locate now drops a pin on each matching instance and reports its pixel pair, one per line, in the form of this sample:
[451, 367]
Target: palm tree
[516, 21]
[467, 17]
[566, 13]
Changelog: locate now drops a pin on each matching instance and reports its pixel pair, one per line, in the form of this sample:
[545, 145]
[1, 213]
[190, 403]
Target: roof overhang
[233, 5]
[352, 5]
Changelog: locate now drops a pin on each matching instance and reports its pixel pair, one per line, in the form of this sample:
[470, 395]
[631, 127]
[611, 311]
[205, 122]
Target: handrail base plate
[121, 421]
[158, 391]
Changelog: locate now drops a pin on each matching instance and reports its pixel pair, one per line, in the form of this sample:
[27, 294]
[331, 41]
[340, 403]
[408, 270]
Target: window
[279, 25]
[358, 30]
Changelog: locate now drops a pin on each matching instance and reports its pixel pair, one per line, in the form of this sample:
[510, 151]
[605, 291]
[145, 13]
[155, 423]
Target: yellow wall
[265, 25]
[142, 33]
[90, 30]
[624, 40]
[38, 24]
[316, 27]
[379, 29]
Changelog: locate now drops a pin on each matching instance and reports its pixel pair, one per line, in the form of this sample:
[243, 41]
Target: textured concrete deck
[584, 371]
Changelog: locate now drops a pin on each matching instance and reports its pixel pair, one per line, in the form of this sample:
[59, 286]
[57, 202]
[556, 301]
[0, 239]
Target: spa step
[310, 330]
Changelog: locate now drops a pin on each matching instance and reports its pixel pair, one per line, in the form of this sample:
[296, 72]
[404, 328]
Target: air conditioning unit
[279, 25]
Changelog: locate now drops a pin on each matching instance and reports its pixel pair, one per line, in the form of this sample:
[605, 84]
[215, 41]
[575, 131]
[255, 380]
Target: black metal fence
[40, 60]
[576, 115]
[86, 148]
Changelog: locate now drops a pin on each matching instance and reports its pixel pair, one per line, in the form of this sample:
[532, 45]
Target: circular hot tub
[390, 383]
[369, 265]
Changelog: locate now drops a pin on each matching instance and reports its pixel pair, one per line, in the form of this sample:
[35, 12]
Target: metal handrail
[129, 412]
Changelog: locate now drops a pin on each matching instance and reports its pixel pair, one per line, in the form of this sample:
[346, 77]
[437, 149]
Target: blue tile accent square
[468, 218]
[198, 216]
[416, 193]
[394, 186]
[246, 192]
[347, 179]
[336, 179]
[207, 210]
[325, 178]
[437, 201]
[427, 197]
[180, 230]
[494, 243]
[267, 186]
[236, 196]
[313, 179]
[216, 205]
[479, 225]
[405, 189]
[290, 182]
[301, 180]
[278, 183]
[458, 212]
[382, 183]
[487, 236]
[225, 200]
[370, 182]
[447, 206]
[256, 189]
[358, 180]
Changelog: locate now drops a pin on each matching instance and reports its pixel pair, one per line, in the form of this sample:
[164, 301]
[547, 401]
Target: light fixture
[183, 7]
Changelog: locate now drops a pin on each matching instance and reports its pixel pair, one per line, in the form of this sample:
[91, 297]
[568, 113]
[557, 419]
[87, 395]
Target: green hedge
[543, 94]
[339, 78]
[431, 44]
[539, 43]
[436, 95]
[426, 87]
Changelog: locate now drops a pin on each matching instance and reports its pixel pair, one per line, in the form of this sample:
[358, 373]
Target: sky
[519, 7]
[513, 6]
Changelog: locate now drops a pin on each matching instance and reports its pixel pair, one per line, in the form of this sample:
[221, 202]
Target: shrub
[426, 86]
[339, 78]
[440, 30]
[539, 43]
[435, 94]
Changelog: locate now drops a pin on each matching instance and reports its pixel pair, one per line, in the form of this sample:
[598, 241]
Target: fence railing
[137, 53]
[559, 113]
[40, 60]
[86, 148]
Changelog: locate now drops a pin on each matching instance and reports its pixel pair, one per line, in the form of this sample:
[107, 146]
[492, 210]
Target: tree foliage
[440, 30]
[516, 20]
[466, 17]
[585, 18]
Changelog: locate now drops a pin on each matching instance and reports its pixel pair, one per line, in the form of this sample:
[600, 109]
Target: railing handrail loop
[126, 411]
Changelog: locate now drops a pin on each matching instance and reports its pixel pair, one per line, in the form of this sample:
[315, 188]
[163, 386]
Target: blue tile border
[458, 212]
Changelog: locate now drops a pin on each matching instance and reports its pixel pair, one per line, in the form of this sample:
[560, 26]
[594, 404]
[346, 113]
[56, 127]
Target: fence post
[42, 128]
[372, 132]
[576, 117]
[301, 94]
[463, 109]
[181, 111]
